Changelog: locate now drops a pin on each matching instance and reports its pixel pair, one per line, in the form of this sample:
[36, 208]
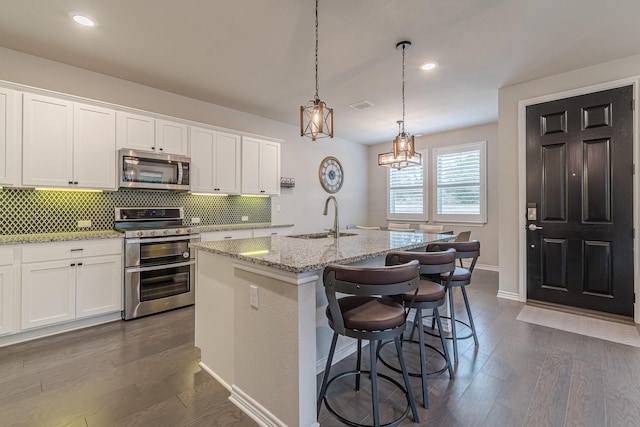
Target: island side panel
[214, 319]
[275, 346]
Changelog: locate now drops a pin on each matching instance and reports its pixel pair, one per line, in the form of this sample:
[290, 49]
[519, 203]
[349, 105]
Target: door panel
[580, 179]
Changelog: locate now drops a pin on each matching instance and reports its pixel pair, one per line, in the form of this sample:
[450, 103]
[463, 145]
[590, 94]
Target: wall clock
[331, 174]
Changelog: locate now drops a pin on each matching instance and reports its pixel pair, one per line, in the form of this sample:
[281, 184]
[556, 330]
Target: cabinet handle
[70, 182]
[75, 182]
[73, 265]
[262, 191]
[160, 149]
[228, 237]
[79, 263]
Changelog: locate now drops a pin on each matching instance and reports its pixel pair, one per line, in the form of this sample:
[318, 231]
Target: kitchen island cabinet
[260, 321]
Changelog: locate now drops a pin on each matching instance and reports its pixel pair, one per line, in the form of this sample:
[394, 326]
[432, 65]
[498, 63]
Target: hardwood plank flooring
[145, 373]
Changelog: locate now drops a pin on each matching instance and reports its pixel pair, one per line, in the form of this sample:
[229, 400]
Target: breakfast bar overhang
[260, 321]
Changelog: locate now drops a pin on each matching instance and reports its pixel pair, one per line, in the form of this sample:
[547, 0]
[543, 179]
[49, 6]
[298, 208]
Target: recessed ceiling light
[429, 66]
[83, 19]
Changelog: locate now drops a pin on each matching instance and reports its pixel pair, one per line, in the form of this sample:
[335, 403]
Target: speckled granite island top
[298, 255]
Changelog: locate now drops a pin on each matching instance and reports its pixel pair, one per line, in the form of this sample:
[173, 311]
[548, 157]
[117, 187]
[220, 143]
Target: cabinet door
[48, 293]
[7, 286]
[171, 137]
[94, 147]
[135, 132]
[251, 165]
[203, 145]
[99, 285]
[9, 137]
[47, 141]
[270, 168]
[226, 163]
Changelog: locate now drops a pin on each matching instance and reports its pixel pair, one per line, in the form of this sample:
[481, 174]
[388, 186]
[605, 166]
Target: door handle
[533, 227]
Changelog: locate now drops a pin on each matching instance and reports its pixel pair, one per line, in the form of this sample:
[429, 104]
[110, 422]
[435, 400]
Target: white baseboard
[488, 267]
[215, 376]
[255, 411]
[514, 296]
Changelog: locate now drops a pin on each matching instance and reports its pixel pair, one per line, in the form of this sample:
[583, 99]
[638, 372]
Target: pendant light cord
[317, 97]
[403, 48]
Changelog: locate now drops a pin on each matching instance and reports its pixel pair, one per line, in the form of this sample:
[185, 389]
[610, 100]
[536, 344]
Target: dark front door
[580, 201]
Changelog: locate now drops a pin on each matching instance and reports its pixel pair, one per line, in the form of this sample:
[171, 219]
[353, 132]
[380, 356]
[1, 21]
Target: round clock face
[331, 174]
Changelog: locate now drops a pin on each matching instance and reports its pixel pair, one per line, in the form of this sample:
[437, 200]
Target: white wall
[301, 157]
[510, 233]
[487, 234]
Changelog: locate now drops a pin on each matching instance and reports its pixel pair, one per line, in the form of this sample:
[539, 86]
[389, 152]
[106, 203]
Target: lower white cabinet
[70, 280]
[267, 232]
[7, 286]
[209, 236]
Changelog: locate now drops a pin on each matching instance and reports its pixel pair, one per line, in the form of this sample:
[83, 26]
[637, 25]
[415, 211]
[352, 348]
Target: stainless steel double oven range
[159, 272]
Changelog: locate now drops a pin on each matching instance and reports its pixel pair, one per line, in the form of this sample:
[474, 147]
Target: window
[460, 189]
[407, 195]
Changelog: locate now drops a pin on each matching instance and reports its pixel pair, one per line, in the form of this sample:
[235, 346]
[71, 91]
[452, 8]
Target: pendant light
[404, 150]
[316, 119]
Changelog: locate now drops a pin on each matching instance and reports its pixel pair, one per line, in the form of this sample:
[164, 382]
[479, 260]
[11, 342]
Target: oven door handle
[159, 267]
[186, 237]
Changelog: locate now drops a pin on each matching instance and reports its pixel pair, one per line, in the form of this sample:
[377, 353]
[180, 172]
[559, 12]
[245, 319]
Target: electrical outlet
[278, 208]
[245, 218]
[84, 223]
[253, 296]
[195, 220]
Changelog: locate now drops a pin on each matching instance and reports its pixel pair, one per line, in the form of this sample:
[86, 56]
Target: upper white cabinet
[67, 144]
[7, 289]
[139, 132]
[260, 167]
[215, 161]
[9, 137]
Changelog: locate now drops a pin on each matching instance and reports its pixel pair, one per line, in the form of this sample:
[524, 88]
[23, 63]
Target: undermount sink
[320, 235]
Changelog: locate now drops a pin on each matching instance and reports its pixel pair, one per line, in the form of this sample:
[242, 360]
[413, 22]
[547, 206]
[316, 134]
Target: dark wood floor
[145, 373]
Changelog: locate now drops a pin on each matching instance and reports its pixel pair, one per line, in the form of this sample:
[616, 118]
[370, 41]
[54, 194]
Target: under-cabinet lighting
[209, 194]
[76, 190]
[254, 195]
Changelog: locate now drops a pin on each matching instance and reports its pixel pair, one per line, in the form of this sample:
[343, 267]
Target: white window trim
[461, 218]
[424, 216]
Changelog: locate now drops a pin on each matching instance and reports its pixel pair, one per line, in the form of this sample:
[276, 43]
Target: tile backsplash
[33, 211]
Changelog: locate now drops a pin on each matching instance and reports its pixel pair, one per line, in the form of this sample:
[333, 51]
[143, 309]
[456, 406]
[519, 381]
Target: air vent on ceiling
[361, 105]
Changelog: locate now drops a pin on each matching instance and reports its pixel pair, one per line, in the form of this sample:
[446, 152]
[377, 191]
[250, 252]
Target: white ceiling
[258, 55]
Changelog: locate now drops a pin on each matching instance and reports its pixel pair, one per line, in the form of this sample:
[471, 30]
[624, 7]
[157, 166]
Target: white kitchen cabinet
[139, 132]
[7, 287]
[68, 144]
[270, 232]
[210, 236]
[215, 161]
[10, 137]
[260, 167]
[70, 280]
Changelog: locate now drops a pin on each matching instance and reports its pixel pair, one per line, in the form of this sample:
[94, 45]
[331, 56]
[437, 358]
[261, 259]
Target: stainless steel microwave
[153, 171]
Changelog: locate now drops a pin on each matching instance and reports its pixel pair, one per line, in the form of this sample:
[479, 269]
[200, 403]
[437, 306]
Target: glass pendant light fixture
[316, 119]
[404, 150]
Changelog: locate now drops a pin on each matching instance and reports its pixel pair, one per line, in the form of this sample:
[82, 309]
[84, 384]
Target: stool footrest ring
[414, 374]
[448, 336]
[393, 423]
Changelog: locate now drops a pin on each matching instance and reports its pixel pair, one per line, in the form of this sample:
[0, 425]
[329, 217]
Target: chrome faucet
[335, 231]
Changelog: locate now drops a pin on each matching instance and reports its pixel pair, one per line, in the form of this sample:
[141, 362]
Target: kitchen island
[260, 321]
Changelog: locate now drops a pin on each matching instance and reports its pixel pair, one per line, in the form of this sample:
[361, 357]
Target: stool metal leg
[325, 377]
[466, 303]
[452, 315]
[423, 360]
[405, 375]
[374, 383]
[358, 365]
[443, 340]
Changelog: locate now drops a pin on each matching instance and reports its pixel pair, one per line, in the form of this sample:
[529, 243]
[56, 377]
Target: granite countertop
[301, 255]
[11, 239]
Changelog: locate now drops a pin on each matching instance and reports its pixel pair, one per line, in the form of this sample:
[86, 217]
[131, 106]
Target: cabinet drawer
[6, 255]
[77, 249]
[225, 235]
[267, 232]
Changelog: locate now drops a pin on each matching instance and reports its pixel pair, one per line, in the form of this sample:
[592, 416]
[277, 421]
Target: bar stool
[461, 278]
[368, 313]
[431, 295]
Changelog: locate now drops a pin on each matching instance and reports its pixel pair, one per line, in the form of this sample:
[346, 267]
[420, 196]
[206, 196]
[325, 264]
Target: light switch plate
[245, 218]
[195, 220]
[84, 223]
[253, 296]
